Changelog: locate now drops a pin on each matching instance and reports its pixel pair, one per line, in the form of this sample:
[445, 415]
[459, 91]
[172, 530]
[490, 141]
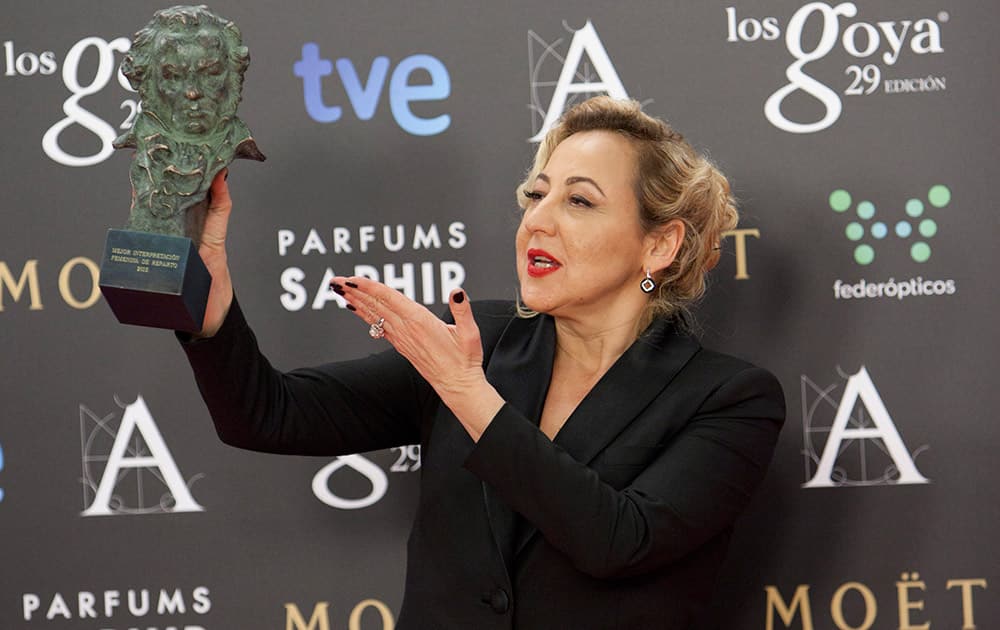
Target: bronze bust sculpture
[187, 65]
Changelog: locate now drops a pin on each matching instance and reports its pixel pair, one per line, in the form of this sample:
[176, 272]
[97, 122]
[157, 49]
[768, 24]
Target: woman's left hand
[448, 356]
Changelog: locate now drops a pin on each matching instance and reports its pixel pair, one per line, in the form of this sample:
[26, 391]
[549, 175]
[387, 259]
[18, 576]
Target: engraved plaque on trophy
[187, 66]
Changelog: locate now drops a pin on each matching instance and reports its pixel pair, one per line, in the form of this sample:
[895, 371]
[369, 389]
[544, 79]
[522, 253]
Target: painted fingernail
[459, 297]
[339, 290]
[351, 284]
[350, 307]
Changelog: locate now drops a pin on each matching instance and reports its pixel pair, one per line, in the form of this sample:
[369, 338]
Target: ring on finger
[376, 330]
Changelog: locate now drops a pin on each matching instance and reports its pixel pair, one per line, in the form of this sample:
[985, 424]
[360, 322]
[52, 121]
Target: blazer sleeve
[693, 490]
[333, 409]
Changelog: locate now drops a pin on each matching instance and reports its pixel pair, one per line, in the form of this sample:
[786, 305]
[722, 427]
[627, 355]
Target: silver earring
[647, 285]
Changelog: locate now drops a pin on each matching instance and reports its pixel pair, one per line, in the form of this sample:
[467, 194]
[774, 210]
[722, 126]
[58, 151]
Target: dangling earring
[647, 285]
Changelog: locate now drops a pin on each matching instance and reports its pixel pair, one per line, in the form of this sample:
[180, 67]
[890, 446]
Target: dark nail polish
[339, 290]
[459, 297]
[226, 176]
[336, 285]
[350, 307]
[351, 284]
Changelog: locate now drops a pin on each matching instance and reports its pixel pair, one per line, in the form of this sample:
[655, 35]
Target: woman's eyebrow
[573, 180]
[578, 179]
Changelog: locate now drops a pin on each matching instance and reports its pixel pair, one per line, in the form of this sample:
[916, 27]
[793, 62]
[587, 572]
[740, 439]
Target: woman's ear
[663, 244]
[714, 256]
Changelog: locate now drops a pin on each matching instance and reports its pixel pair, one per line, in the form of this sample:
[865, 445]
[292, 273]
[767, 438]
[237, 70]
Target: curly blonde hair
[673, 182]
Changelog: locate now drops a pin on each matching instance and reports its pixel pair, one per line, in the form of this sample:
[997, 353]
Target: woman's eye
[581, 201]
[534, 195]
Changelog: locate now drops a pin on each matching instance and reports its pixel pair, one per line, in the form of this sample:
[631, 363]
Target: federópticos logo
[915, 223]
[883, 231]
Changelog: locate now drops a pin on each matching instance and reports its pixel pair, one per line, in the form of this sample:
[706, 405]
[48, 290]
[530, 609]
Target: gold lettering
[837, 606]
[740, 242]
[800, 601]
[320, 619]
[29, 276]
[95, 290]
[354, 622]
[903, 595]
[968, 620]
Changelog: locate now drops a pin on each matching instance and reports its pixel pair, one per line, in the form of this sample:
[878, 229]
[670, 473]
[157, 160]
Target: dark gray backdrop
[264, 546]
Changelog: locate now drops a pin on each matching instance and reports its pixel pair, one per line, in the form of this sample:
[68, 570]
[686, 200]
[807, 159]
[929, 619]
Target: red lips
[541, 263]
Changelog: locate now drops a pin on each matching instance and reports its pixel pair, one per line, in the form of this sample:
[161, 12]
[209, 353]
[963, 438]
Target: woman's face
[580, 248]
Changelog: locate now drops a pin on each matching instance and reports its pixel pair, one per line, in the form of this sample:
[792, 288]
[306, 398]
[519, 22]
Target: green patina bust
[187, 65]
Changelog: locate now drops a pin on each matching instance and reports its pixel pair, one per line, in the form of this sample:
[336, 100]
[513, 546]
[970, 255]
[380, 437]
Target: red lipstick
[541, 263]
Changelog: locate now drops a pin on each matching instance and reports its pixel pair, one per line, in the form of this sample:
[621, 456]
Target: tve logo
[364, 97]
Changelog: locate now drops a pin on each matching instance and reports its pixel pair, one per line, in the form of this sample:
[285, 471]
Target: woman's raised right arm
[213, 254]
[333, 409]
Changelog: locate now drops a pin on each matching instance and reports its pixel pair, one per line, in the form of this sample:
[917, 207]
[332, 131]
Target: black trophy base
[155, 280]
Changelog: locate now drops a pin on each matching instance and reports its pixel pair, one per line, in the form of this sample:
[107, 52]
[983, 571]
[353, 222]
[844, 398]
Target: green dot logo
[854, 231]
[864, 254]
[939, 196]
[920, 252]
[840, 200]
[914, 208]
[915, 217]
[928, 228]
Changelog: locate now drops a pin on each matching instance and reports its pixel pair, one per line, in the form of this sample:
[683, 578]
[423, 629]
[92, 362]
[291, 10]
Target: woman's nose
[540, 217]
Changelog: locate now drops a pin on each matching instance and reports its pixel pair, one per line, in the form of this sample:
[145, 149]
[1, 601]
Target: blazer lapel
[627, 388]
[520, 369]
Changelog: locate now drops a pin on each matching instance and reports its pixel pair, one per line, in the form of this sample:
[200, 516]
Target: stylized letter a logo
[584, 40]
[860, 387]
[137, 418]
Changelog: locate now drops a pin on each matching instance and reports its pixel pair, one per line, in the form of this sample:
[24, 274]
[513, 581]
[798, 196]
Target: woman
[583, 458]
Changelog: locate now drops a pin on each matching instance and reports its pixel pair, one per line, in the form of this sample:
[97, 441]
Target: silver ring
[376, 331]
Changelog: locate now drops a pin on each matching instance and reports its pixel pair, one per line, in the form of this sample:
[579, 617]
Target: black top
[626, 513]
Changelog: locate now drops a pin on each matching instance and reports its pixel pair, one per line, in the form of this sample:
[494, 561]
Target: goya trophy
[187, 66]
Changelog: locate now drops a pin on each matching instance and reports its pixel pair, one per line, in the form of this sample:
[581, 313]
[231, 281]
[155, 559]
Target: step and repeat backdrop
[860, 138]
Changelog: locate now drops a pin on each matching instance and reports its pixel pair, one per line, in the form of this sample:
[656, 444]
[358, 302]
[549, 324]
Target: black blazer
[621, 521]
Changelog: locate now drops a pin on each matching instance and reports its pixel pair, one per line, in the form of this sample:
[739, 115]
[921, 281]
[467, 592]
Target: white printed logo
[407, 461]
[137, 447]
[576, 77]
[27, 63]
[849, 429]
[429, 281]
[119, 604]
[860, 40]
[77, 114]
